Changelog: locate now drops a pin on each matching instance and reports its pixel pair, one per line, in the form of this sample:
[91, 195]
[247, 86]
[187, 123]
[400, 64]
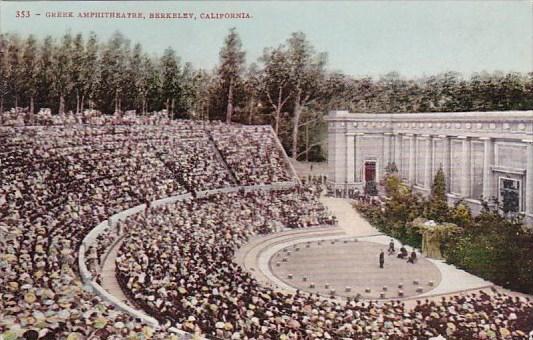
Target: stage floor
[338, 264]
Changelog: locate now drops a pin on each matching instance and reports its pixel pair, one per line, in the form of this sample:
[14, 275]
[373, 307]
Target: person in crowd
[391, 249]
[381, 259]
[403, 253]
[412, 258]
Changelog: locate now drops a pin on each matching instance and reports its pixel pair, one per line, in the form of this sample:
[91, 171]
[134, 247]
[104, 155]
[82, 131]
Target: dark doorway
[370, 171]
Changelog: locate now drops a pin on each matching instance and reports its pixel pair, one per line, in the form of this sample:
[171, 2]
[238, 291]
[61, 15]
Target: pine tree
[170, 80]
[16, 70]
[4, 70]
[62, 81]
[45, 74]
[438, 209]
[232, 60]
[91, 71]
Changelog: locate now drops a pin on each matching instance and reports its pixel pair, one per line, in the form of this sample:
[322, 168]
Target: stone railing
[91, 237]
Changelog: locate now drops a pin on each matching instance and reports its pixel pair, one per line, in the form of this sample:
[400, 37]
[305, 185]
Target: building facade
[484, 155]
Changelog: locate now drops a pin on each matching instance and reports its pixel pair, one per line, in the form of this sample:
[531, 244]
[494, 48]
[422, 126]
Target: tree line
[289, 86]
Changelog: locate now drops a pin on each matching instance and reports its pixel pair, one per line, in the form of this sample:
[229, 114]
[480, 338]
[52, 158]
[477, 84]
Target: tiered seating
[58, 182]
[176, 264]
[252, 154]
[180, 254]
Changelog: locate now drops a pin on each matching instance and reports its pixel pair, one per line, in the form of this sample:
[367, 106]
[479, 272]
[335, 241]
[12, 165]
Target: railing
[91, 237]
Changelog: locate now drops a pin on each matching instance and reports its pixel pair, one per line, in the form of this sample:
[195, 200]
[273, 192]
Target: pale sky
[360, 37]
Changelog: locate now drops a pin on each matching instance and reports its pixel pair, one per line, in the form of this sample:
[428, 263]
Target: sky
[414, 38]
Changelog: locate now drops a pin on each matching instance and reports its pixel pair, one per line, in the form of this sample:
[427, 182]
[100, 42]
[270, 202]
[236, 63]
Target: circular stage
[351, 268]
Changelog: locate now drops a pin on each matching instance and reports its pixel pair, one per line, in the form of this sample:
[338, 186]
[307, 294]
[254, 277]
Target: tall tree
[113, 70]
[170, 79]
[4, 70]
[90, 71]
[45, 73]
[252, 89]
[62, 81]
[16, 68]
[232, 59]
[438, 203]
[276, 82]
[307, 74]
[78, 65]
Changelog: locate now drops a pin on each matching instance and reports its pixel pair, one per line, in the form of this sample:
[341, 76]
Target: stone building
[484, 155]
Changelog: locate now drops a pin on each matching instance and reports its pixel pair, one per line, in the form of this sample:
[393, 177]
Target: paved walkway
[109, 280]
[349, 219]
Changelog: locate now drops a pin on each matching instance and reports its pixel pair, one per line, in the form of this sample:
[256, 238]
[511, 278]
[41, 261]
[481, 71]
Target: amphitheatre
[115, 227]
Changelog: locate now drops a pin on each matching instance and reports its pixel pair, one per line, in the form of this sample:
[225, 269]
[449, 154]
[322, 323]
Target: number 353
[23, 14]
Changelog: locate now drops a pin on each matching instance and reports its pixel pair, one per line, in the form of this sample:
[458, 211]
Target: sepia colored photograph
[266, 170]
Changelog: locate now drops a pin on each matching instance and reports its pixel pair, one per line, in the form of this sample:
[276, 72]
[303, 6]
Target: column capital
[463, 137]
[409, 135]
[387, 133]
[425, 136]
[527, 141]
[486, 138]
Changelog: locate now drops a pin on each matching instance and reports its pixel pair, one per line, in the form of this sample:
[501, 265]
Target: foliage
[288, 87]
[496, 248]
[461, 214]
[492, 245]
[437, 208]
[230, 69]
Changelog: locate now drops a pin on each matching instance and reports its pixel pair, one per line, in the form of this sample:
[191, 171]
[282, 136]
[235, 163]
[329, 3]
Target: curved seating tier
[57, 183]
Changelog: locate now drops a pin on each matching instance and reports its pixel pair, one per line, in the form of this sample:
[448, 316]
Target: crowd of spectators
[252, 153]
[176, 263]
[60, 180]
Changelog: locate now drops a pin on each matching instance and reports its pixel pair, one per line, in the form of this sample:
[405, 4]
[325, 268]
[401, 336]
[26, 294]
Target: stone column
[447, 162]
[412, 158]
[350, 159]
[488, 157]
[398, 151]
[386, 151]
[358, 157]
[529, 178]
[466, 167]
[428, 166]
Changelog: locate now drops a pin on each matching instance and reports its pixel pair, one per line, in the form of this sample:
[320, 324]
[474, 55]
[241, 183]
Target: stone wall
[477, 151]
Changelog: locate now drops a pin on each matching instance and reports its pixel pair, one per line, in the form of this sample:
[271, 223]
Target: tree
[232, 59]
[438, 203]
[62, 80]
[16, 70]
[251, 90]
[170, 79]
[144, 79]
[307, 73]
[113, 71]
[45, 76]
[90, 71]
[4, 70]
[78, 66]
[276, 81]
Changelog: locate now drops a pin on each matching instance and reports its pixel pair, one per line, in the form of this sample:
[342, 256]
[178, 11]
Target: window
[510, 195]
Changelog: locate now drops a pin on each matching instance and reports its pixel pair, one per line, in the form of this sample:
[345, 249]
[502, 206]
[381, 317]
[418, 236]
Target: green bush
[492, 246]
